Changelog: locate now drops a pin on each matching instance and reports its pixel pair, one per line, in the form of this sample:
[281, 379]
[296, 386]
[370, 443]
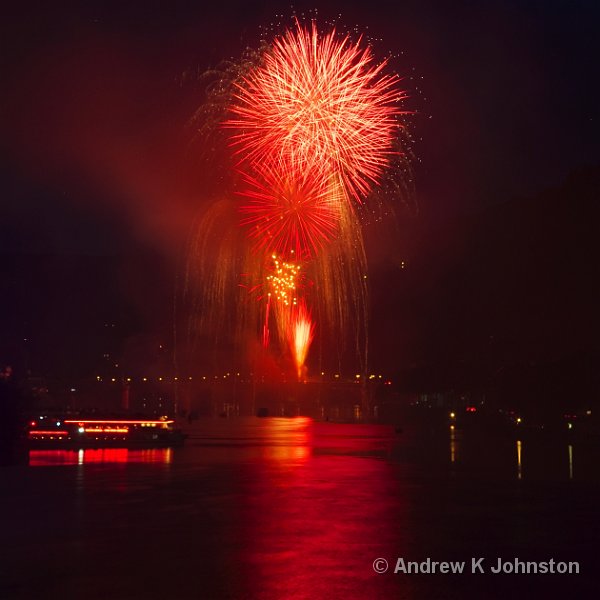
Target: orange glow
[107, 429]
[302, 336]
[289, 440]
[82, 422]
[40, 432]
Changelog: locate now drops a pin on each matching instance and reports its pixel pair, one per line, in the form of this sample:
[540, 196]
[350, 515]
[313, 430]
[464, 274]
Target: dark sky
[96, 93]
[96, 97]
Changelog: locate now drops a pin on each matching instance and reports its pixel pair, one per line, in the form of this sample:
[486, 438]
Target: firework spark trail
[318, 99]
[266, 332]
[301, 336]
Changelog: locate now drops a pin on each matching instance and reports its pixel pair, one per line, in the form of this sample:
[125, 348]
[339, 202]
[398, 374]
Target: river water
[291, 508]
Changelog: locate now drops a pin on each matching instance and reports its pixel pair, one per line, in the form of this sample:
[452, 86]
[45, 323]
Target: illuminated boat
[47, 432]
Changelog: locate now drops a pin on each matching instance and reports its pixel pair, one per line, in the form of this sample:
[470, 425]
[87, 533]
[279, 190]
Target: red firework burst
[318, 100]
[291, 212]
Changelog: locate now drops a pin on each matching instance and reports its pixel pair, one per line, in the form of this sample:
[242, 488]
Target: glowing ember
[283, 281]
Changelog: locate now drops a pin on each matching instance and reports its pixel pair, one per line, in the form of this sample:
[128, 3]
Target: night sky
[96, 165]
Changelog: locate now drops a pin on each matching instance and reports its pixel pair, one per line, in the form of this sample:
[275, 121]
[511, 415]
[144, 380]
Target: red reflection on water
[287, 439]
[315, 520]
[44, 458]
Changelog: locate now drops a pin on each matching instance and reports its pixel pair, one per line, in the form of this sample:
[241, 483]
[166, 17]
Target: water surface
[291, 508]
